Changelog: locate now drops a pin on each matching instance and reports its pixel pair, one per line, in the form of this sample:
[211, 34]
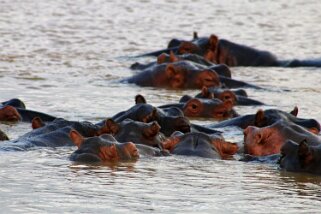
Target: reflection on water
[65, 58]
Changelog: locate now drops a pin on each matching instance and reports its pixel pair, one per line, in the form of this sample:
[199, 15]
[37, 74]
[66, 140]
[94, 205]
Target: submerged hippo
[206, 108]
[269, 140]
[200, 144]
[222, 51]
[135, 131]
[53, 134]
[14, 110]
[178, 75]
[268, 117]
[237, 97]
[301, 157]
[101, 149]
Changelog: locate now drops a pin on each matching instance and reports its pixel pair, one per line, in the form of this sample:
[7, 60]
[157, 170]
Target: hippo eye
[208, 80]
[194, 106]
[227, 97]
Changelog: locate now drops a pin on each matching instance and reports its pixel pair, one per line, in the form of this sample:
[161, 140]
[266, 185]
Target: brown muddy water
[66, 57]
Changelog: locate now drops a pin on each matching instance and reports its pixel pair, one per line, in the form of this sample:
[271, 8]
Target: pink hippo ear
[295, 111]
[206, 94]
[170, 71]
[172, 57]
[161, 58]
[140, 99]
[304, 154]
[195, 35]
[76, 138]
[260, 119]
[170, 143]
[37, 123]
[213, 40]
[111, 127]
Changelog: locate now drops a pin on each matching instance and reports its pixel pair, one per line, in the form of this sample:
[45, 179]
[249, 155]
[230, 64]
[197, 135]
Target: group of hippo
[272, 135]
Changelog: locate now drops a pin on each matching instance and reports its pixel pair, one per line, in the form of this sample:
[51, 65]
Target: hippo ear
[295, 111]
[161, 58]
[170, 71]
[304, 154]
[140, 99]
[195, 35]
[260, 119]
[172, 141]
[172, 57]
[185, 98]
[210, 56]
[213, 40]
[37, 123]
[111, 127]
[76, 137]
[206, 93]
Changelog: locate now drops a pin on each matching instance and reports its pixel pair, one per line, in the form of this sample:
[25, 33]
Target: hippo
[101, 149]
[135, 131]
[170, 119]
[198, 61]
[14, 110]
[53, 134]
[177, 75]
[269, 140]
[185, 75]
[268, 117]
[222, 51]
[301, 157]
[226, 94]
[200, 144]
[206, 108]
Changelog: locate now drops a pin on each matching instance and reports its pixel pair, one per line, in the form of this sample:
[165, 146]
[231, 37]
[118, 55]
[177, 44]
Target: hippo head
[135, 131]
[206, 47]
[9, 113]
[300, 157]
[172, 119]
[209, 108]
[101, 149]
[263, 141]
[180, 77]
[199, 144]
[219, 93]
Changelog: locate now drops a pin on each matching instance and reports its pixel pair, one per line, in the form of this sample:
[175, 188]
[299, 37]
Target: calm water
[65, 58]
